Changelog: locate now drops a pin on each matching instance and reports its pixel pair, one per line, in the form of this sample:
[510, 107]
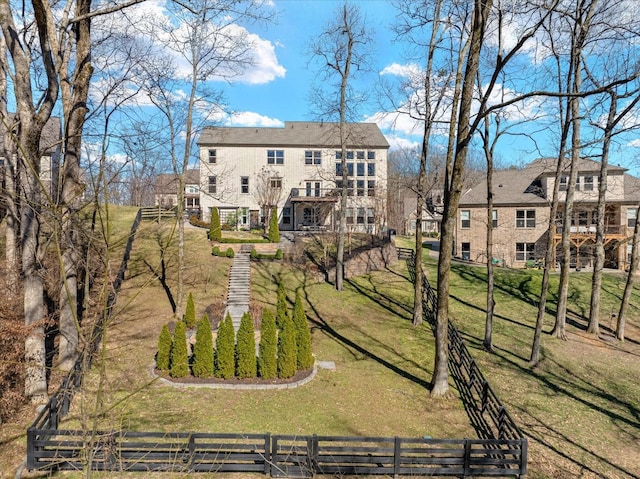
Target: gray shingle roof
[521, 185]
[296, 134]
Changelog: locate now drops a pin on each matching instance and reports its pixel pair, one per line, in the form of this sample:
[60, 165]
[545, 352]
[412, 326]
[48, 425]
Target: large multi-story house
[245, 172]
[50, 148]
[521, 209]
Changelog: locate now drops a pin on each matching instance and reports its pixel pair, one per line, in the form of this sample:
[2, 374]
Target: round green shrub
[203, 350]
[225, 348]
[279, 254]
[230, 252]
[163, 359]
[287, 350]
[179, 352]
[215, 251]
[190, 313]
[267, 366]
[246, 366]
[215, 232]
[254, 253]
[303, 335]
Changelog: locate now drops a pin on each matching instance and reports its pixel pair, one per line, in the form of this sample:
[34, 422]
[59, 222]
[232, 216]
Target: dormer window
[587, 183]
[563, 183]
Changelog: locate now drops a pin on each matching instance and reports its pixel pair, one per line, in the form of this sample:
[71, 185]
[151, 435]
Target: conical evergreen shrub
[225, 348]
[267, 366]
[287, 349]
[274, 229]
[179, 352]
[215, 232]
[203, 350]
[190, 313]
[163, 359]
[281, 306]
[246, 366]
[303, 335]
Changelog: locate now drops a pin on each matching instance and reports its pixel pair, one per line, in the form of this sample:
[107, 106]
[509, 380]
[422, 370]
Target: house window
[313, 157]
[312, 188]
[349, 216]
[494, 218]
[350, 169]
[192, 189]
[371, 169]
[631, 217]
[466, 251]
[371, 187]
[370, 216]
[629, 250]
[360, 169]
[349, 155]
[577, 183]
[525, 251]
[360, 155]
[275, 157]
[213, 156]
[338, 169]
[286, 215]
[360, 187]
[350, 187]
[588, 183]
[563, 183]
[275, 182]
[371, 155]
[465, 216]
[244, 184]
[525, 218]
[213, 185]
[360, 216]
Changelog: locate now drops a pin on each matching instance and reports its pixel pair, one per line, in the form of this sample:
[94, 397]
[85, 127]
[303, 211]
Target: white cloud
[249, 118]
[634, 143]
[408, 70]
[398, 142]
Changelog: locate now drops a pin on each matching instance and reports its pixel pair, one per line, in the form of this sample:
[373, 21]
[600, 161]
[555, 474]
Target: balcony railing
[324, 194]
[590, 230]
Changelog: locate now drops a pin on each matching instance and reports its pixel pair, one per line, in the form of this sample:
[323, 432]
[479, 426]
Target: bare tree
[343, 45]
[631, 278]
[268, 192]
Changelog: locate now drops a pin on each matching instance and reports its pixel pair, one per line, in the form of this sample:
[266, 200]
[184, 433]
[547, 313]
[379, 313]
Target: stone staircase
[238, 291]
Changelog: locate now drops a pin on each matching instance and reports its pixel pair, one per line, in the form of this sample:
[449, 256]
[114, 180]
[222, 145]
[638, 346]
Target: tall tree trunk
[488, 325]
[631, 275]
[75, 109]
[596, 279]
[440, 379]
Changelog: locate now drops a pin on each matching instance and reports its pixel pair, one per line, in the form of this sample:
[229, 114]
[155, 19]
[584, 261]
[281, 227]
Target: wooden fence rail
[274, 455]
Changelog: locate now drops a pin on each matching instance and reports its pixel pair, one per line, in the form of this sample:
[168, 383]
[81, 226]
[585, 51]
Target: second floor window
[631, 217]
[244, 184]
[275, 157]
[465, 216]
[313, 157]
[213, 156]
[494, 218]
[563, 183]
[213, 185]
[525, 218]
[275, 182]
[588, 183]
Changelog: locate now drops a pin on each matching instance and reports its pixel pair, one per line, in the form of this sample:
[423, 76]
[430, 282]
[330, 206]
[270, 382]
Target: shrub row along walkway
[239, 285]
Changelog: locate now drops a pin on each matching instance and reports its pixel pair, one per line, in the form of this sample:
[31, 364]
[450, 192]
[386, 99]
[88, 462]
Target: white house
[245, 171]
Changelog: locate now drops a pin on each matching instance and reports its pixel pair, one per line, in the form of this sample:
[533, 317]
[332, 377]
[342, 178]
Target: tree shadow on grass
[577, 389]
[323, 325]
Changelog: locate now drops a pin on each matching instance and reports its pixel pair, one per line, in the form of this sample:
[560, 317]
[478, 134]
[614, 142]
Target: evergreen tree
[267, 366]
[203, 350]
[287, 362]
[190, 313]
[179, 352]
[303, 335]
[163, 359]
[281, 306]
[225, 345]
[274, 229]
[215, 232]
[246, 366]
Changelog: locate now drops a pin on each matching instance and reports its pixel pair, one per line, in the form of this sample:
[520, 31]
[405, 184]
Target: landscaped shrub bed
[284, 349]
[277, 255]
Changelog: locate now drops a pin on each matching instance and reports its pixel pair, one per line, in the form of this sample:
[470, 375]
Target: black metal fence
[501, 449]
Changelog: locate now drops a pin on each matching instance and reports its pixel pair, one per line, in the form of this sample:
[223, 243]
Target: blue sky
[276, 89]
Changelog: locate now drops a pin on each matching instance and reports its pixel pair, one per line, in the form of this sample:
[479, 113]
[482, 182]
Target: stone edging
[247, 387]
